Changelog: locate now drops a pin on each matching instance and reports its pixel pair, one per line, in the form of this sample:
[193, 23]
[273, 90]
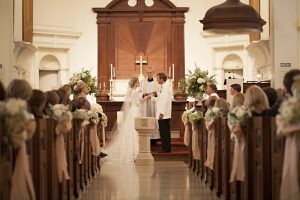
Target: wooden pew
[202, 130]
[77, 178]
[52, 183]
[225, 159]
[258, 159]
[277, 154]
[219, 131]
[6, 168]
[39, 173]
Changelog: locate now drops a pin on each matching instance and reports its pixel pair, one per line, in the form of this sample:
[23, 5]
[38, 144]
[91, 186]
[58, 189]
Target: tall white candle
[170, 72]
[111, 71]
[114, 72]
[173, 71]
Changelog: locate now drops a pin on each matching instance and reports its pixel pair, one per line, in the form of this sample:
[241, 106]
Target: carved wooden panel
[155, 32]
[132, 39]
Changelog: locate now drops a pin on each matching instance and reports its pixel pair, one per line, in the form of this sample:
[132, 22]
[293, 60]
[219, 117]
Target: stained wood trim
[27, 20]
[256, 5]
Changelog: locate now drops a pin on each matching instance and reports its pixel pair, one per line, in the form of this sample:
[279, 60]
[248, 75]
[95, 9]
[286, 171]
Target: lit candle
[173, 71]
[111, 71]
[170, 72]
[104, 86]
[114, 72]
[100, 87]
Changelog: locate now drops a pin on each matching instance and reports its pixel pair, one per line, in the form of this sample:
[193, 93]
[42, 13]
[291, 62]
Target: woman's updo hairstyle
[133, 81]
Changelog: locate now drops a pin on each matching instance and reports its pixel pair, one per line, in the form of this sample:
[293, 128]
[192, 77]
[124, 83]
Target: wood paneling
[27, 20]
[256, 5]
[125, 32]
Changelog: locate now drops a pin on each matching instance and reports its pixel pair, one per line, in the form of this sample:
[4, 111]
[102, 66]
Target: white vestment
[148, 108]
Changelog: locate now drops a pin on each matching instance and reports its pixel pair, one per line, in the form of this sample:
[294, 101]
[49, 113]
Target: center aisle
[166, 180]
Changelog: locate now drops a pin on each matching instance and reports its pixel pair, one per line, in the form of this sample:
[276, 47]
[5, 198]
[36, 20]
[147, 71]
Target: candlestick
[173, 71]
[111, 71]
[169, 72]
[104, 86]
[114, 72]
[100, 87]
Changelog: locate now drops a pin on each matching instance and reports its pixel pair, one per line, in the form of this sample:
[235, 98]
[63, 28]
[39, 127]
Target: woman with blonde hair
[238, 100]
[256, 100]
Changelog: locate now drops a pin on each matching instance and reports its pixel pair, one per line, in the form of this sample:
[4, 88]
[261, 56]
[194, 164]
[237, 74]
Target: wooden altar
[111, 108]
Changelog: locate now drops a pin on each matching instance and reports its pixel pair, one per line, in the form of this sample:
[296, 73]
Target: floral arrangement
[195, 116]
[98, 109]
[63, 116]
[185, 116]
[213, 113]
[288, 118]
[197, 81]
[14, 115]
[182, 84]
[86, 77]
[81, 114]
[236, 119]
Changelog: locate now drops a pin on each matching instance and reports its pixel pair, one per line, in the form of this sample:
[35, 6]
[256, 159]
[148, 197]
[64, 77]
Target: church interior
[67, 62]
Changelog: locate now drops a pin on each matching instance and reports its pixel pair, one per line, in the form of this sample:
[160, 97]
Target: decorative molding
[54, 37]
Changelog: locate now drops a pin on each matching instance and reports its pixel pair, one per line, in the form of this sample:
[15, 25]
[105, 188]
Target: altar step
[179, 152]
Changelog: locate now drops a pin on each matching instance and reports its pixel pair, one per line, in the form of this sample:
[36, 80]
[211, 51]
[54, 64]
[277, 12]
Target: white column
[284, 38]
[144, 127]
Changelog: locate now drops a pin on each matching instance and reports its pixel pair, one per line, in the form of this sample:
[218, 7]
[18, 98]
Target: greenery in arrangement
[86, 77]
[182, 84]
[197, 81]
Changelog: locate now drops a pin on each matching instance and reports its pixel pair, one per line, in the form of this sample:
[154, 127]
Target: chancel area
[149, 99]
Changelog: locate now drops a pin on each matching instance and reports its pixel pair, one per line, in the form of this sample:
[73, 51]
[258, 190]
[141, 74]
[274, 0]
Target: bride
[124, 145]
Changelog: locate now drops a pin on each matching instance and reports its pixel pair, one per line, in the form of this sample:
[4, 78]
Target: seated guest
[223, 105]
[80, 103]
[212, 90]
[235, 88]
[63, 96]
[274, 102]
[256, 100]
[2, 92]
[52, 99]
[36, 103]
[288, 81]
[67, 88]
[238, 100]
[19, 89]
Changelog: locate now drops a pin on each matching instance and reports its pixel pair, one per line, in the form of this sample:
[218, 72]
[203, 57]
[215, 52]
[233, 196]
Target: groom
[163, 112]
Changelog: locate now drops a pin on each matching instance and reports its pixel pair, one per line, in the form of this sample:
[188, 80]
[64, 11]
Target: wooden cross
[140, 61]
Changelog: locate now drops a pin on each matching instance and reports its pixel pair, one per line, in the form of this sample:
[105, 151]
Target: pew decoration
[82, 115]
[197, 82]
[210, 116]
[185, 121]
[195, 117]
[236, 123]
[63, 117]
[95, 143]
[83, 76]
[288, 125]
[16, 120]
[103, 120]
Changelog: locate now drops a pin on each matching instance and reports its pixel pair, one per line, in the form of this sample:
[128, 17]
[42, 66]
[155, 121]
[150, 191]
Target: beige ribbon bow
[210, 144]
[61, 160]
[195, 142]
[22, 185]
[238, 161]
[290, 184]
[95, 143]
[186, 139]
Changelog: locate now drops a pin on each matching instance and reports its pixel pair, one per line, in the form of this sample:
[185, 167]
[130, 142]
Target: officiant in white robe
[149, 87]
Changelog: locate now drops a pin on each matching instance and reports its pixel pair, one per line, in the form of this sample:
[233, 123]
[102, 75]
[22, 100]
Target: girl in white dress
[124, 145]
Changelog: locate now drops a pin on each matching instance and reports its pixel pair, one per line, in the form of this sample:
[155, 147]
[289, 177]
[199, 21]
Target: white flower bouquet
[185, 116]
[195, 116]
[98, 109]
[14, 115]
[86, 77]
[63, 116]
[197, 81]
[213, 113]
[288, 119]
[236, 120]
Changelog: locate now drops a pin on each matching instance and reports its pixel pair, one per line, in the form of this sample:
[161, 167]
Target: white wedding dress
[124, 145]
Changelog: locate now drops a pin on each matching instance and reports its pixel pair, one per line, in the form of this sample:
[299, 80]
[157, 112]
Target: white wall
[77, 16]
